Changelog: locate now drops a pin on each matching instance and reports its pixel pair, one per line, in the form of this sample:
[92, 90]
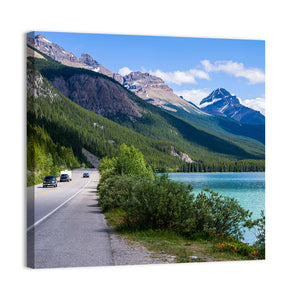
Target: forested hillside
[222, 126]
[46, 157]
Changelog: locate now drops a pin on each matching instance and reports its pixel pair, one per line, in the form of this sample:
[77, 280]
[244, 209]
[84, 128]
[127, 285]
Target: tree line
[224, 166]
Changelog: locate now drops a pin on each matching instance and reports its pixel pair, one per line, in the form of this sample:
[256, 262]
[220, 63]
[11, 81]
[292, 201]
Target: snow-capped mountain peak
[216, 95]
[221, 103]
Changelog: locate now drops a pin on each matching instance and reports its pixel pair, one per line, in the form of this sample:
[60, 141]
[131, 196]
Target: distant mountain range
[145, 104]
[153, 89]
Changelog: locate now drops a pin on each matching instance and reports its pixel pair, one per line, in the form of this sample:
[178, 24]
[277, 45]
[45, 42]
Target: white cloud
[256, 104]
[194, 96]
[254, 75]
[124, 71]
[199, 74]
[179, 77]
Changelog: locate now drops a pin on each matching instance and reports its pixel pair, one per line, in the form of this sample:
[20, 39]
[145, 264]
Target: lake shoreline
[246, 187]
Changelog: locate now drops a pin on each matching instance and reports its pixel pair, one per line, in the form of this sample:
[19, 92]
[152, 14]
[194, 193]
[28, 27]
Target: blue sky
[192, 67]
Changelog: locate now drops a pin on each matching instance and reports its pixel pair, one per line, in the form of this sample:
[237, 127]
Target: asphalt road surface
[65, 227]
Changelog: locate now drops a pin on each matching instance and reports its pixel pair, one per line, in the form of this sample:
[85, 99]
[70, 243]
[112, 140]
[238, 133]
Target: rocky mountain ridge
[67, 58]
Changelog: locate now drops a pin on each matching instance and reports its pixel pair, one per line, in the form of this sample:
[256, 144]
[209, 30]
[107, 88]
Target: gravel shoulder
[128, 252]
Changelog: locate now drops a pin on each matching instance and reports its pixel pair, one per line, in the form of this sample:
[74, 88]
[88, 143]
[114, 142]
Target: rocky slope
[97, 94]
[154, 90]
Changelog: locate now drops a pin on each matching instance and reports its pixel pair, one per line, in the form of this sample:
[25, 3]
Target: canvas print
[144, 150]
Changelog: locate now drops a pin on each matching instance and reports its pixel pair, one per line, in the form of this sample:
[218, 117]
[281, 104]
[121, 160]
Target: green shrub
[149, 203]
[115, 191]
[161, 204]
[216, 214]
[129, 161]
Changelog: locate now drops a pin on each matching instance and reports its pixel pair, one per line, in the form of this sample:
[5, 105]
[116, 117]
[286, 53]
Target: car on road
[50, 180]
[86, 175]
[65, 177]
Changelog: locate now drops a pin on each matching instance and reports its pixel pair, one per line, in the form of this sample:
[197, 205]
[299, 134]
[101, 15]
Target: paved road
[65, 227]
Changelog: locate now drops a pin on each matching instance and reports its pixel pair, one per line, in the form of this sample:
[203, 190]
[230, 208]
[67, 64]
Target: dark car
[65, 177]
[50, 180]
[86, 175]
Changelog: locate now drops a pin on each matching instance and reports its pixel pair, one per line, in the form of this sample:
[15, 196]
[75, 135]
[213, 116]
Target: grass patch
[200, 248]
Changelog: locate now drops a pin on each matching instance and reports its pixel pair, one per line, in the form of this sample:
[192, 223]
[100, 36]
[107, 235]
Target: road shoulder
[128, 252]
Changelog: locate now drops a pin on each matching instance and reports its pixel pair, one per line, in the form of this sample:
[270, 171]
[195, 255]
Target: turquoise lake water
[247, 188]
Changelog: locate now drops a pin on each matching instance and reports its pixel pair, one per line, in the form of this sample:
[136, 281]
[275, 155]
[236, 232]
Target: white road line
[54, 210]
